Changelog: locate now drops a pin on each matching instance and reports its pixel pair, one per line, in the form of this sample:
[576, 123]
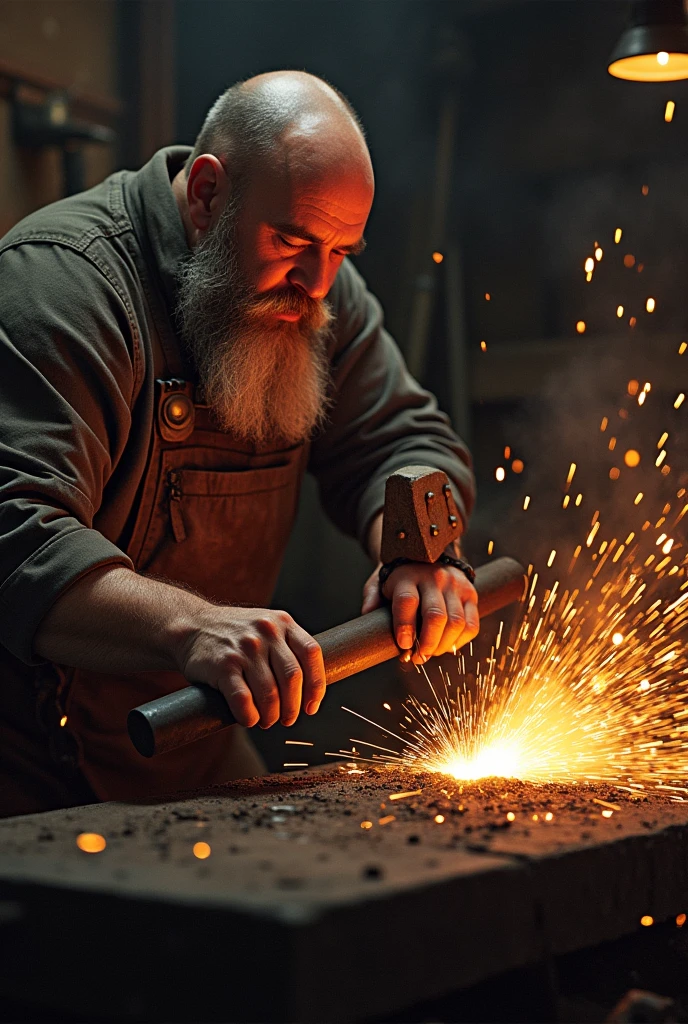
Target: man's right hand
[265, 665]
[113, 620]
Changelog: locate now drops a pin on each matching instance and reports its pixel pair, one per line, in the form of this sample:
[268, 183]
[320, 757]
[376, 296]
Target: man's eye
[289, 245]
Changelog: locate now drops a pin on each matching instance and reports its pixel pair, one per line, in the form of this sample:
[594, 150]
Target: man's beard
[266, 380]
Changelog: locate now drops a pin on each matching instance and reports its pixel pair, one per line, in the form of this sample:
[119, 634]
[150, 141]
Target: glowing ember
[91, 842]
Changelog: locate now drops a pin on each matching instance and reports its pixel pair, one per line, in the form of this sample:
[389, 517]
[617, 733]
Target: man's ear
[206, 190]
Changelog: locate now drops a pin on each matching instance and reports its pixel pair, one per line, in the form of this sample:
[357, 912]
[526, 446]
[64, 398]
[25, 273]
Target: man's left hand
[447, 601]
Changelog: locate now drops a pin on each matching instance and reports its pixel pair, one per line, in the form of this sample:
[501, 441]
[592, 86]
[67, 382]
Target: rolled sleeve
[381, 418]
[66, 384]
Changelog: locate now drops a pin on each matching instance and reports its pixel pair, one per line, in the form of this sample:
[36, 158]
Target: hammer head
[420, 516]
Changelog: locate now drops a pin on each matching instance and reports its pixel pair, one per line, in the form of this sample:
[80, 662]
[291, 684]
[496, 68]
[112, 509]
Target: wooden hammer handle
[199, 710]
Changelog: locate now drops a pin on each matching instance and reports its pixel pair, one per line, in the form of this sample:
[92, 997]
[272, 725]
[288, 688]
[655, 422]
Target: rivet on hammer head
[434, 530]
[446, 489]
[453, 521]
[430, 495]
[401, 535]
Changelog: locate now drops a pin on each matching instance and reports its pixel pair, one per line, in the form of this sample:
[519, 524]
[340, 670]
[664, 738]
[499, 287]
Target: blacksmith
[177, 347]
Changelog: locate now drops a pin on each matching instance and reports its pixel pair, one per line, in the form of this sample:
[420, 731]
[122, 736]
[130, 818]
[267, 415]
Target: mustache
[286, 300]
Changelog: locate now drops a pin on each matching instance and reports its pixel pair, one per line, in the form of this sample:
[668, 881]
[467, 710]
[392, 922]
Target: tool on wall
[420, 520]
[50, 123]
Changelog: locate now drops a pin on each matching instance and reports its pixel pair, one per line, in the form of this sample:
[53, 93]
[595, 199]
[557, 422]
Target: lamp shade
[654, 48]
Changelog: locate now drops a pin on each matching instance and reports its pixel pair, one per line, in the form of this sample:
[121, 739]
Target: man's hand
[265, 665]
[447, 602]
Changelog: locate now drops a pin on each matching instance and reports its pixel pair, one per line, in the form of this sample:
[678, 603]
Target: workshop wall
[46, 45]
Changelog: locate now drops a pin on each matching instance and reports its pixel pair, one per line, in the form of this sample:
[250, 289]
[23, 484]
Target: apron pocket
[222, 531]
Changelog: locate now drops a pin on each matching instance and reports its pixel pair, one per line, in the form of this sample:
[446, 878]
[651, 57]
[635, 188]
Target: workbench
[323, 899]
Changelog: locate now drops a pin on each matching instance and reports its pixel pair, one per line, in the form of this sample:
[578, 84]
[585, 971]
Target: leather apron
[213, 514]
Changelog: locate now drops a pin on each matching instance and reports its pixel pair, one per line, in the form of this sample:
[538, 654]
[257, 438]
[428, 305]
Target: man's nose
[312, 275]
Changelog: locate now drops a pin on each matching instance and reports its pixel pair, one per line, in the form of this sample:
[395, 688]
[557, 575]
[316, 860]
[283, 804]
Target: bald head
[283, 116]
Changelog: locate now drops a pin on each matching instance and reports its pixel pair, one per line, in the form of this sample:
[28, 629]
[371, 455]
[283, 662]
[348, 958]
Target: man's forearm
[113, 620]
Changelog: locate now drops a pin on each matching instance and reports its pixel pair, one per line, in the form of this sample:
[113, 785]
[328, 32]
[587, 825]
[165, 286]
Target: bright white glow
[498, 759]
[663, 58]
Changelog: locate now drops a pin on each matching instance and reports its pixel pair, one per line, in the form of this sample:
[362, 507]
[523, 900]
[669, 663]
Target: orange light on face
[91, 842]
[201, 850]
[437, 257]
[632, 458]
[580, 327]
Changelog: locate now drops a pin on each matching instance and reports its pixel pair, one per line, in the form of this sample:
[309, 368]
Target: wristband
[456, 563]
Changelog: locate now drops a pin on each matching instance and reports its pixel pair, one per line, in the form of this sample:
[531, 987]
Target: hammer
[420, 520]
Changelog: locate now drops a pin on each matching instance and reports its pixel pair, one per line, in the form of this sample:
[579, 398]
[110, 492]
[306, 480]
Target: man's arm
[67, 593]
[382, 420]
[113, 620]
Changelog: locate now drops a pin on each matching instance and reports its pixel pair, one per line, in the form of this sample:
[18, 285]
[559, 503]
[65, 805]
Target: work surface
[324, 898]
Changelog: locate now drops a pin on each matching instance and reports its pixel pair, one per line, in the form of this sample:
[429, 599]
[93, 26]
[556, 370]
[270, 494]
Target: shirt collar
[157, 220]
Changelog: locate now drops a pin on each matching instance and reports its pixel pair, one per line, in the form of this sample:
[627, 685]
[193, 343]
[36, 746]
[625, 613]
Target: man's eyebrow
[296, 231]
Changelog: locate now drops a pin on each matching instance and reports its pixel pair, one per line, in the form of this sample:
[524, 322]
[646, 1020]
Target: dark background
[549, 156]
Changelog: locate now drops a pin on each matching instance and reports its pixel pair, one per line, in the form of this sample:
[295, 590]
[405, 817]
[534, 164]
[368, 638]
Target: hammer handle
[198, 710]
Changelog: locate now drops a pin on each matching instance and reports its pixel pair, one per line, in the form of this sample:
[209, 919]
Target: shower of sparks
[592, 683]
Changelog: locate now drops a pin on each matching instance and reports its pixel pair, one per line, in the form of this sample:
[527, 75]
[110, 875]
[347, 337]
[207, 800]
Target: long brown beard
[266, 380]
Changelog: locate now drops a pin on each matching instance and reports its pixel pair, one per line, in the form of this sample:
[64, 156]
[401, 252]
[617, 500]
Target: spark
[645, 189]
[617, 235]
[490, 547]
[589, 265]
[550, 560]
[439, 818]
[632, 458]
[526, 502]
[487, 296]
[619, 311]
[404, 796]
[298, 743]
[483, 346]
[598, 254]
[682, 347]
[201, 850]
[580, 326]
[295, 764]
[387, 707]
[629, 260]
[366, 824]
[679, 401]
[500, 473]
[646, 921]
[680, 920]
[669, 111]
[386, 820]
[91, 842]
[437, 257]
[63, 721]
[650, 305]
[517, 466]
[510, 816]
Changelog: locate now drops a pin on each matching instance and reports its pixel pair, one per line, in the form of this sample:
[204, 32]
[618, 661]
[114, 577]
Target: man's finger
[472, 614]
[433, 613]
[371, 594]
[263, 686]
[405, 601]
[289, 676]
[310, 658]
[238, 696]
[456, 623]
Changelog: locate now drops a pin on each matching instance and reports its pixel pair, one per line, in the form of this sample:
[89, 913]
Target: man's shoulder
[75, 222]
